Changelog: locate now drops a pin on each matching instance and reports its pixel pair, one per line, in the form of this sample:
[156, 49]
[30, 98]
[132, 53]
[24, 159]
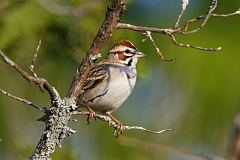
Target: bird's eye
[127, 51]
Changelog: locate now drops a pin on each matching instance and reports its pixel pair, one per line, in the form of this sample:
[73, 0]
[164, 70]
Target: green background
[198, 94]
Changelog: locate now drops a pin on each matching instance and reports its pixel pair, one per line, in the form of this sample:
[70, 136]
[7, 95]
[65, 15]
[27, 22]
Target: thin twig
[160, 54]
[185, 26]
[40, 82]
[149, 36]
[31, 67]
[192, 46]
[178, 30]
[184, 6]
[23, 101]
[147, 130]
[144, 29]
[237, 12]
[115, 125]
[212, 7]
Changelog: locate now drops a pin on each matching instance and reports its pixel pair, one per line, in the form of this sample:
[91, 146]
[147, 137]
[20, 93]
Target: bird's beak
[139, 54]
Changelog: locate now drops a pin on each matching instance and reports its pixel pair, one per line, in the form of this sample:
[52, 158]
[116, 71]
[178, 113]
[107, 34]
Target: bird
[111, 81]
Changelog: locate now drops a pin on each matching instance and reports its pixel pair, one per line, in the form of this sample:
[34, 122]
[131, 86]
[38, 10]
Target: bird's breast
[120, 84]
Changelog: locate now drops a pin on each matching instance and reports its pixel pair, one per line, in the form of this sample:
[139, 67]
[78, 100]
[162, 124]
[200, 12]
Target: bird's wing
[96, 76]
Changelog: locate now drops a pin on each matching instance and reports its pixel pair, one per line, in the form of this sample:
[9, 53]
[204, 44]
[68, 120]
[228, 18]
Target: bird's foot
[118, 130]
[91, 115]
[119, 126]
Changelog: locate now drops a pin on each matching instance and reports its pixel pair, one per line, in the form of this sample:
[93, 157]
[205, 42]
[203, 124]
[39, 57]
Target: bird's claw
[118, 130]
[91, 115]
[119, 126]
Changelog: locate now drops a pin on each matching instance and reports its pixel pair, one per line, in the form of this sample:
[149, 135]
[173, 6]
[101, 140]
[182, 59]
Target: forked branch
[212, 7]
[40, 82]
[178, 29]
[60, 113]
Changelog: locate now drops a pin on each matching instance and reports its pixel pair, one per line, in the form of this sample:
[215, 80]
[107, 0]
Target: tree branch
[184, 6]
[40, 82]
[24, 101]
[212, 7]
[56, 129]
[112, 123]
[181, 29]
[185, 26]
[144, 29]
[105, 32]
[160, 54]
[59, 113]
[193, 46]
[31, 67]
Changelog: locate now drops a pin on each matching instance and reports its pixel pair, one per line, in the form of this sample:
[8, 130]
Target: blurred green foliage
[197, 95]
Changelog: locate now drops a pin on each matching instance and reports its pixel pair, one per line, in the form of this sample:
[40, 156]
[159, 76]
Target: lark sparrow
[111, 81]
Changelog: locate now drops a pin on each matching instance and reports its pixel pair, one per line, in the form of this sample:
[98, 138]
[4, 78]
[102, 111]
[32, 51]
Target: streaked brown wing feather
[96, 76]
